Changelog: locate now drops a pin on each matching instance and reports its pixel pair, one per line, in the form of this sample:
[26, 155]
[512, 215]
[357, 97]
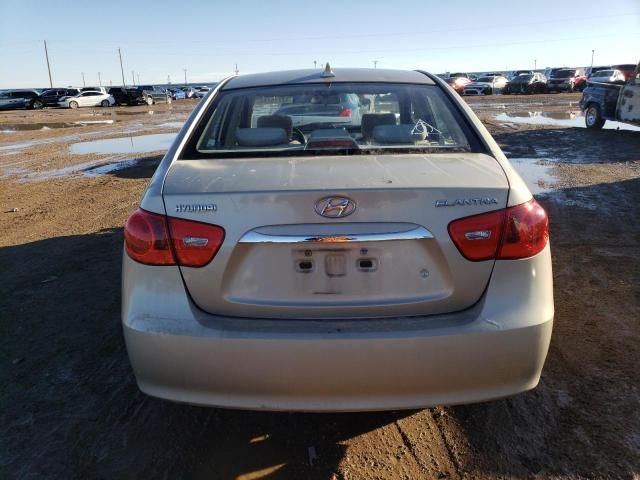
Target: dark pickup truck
[618, 101]
[142, 94]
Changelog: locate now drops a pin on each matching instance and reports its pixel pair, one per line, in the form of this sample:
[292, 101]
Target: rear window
[317, 118]
[564, 73]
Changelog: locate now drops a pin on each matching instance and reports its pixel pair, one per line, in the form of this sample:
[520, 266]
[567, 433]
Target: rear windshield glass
[343, 117]
[564, 73]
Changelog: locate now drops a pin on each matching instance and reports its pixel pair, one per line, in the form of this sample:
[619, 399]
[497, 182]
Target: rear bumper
[495, 349]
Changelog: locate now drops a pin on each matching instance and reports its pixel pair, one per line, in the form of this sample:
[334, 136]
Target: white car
[202, 91]
[87, 99]
[94, 89]
[485, 85]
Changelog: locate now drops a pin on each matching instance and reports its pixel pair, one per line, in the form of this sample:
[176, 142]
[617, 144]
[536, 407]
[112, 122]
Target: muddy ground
[69, 405]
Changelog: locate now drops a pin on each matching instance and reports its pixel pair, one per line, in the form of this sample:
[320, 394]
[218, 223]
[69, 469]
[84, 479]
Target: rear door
[283, 257]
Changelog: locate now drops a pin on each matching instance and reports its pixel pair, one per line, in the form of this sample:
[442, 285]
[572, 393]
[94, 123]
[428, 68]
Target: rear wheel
[37, 104]
[149, 100]
[593, 117]
[105, 103]
[169, 100]
[73, 104]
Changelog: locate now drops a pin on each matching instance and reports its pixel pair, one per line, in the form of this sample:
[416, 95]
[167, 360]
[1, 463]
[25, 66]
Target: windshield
[485, 79]
[350, 118]
[564, 73]
[522, 78]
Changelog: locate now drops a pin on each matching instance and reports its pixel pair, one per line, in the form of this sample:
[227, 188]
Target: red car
[457, 81]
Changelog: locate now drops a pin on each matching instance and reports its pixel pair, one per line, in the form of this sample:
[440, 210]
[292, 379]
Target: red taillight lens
[195, 243]
[526, 231]
[478, 237]
[155, 239]
[146, 239]
[346, 112]
[517, 232]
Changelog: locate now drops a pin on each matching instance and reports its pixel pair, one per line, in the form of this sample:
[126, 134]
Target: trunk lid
[391, 255]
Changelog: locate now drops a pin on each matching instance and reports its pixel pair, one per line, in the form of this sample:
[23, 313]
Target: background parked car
[588, 71]
[608, 76]
[627, 69]
[50, 97]
[485, 85]
[202, 91]
[87, 99]
[457, 81]
[526, 83]
[152, 94]
[94, 89]
[189, 92]
[176, 93]
[562, 80]
[517, 73]
[13, 99]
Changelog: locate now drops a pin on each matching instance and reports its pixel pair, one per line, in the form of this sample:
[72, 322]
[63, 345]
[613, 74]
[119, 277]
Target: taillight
[478, 237]
[146, 239]
[345, 112]
[195, 243]
[526, 231]
[155, 239]
[516, 232]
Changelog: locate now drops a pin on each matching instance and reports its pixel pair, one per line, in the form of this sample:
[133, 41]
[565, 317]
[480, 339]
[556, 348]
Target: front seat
[372, 120]
[277, 121]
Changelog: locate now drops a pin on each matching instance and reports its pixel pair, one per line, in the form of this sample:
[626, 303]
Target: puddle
[139, 144]
[28, 127]
[170, 125]
[535, 173]
[569, 118]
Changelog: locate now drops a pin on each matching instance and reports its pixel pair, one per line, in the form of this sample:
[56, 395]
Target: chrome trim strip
[419, 233]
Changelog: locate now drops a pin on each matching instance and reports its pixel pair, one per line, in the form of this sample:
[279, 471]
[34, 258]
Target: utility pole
[592, 52]
[375, 64]
[168, 79]
[315, 64]
[124, 84]
[185, 77]
[83, 84]
[46, 54]
[99, 79]
[237, 71]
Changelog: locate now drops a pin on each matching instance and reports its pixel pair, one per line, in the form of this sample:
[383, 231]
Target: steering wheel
[296, 134]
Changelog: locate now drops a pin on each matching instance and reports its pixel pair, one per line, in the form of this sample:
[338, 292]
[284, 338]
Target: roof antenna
[327, 72]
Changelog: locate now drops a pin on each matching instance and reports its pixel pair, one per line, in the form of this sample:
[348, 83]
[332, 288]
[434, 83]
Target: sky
[160, 39]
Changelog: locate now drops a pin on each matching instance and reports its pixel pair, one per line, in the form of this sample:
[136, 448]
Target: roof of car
[290, 77]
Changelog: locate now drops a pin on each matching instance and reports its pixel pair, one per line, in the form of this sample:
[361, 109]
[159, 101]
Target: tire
[105, 103]
[73, 105]
[150, 100]
[37, 104]
[169, 100]
[593, 117]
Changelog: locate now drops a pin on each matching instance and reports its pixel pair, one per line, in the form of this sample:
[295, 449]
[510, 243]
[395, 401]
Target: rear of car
[562, 80]
[292, 261]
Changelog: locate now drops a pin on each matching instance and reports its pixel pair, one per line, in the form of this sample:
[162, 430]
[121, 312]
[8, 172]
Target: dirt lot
[69, 406]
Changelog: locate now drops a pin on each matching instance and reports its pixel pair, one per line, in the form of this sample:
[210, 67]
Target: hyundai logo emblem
[335, 207]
